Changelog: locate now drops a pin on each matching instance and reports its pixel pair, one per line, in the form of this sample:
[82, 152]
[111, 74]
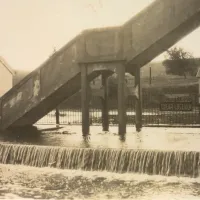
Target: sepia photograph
[100, 99]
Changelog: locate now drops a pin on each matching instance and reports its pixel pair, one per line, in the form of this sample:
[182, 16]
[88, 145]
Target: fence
[152, 114]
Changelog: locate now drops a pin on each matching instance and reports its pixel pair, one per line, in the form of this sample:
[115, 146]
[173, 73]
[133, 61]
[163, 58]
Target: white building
[6, 77]
[19, 75]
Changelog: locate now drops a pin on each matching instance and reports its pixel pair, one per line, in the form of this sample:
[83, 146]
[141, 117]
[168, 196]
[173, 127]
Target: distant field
[161, 79]
[169, 81]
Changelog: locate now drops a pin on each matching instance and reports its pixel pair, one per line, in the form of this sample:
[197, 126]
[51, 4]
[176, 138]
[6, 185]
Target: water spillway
[152, 162]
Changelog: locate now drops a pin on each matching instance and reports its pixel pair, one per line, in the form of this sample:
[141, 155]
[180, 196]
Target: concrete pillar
[1, 114]
[150, 78]
[57, 117]
[138, 100]
[85, 101]
[105, 110]
[121, 100]
[198, 76]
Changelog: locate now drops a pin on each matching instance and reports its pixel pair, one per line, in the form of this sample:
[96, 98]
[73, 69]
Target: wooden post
[121, 100]
[57, 117]
[138, 100]
[85, 101]
[105, 119]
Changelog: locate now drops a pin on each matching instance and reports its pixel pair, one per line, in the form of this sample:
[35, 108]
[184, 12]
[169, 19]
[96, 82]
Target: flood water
[25, 182]
[187, 139]
[18, 182]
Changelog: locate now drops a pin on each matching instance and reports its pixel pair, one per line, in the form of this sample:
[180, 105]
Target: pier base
[85, 101]
[121, 100]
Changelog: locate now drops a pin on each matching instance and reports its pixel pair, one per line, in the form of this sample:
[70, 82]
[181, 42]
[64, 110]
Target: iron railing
[152, 115]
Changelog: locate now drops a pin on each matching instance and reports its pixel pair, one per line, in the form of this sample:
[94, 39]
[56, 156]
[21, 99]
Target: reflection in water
[22, 135]
[70, 136]
[122, 138]
[86, 142]
[138, 140]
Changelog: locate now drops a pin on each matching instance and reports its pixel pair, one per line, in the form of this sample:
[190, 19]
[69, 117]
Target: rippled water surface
[22, 182]
[18, 182]
[187, 139]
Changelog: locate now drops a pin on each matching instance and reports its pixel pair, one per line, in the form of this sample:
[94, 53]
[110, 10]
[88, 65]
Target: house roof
[6, 65]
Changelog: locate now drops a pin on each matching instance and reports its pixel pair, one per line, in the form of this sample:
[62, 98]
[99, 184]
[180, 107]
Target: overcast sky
[30, 29]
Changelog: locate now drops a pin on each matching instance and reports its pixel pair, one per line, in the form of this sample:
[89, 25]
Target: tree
[180, 62]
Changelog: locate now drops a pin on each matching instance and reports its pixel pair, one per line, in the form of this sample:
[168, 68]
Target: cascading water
[178, 163]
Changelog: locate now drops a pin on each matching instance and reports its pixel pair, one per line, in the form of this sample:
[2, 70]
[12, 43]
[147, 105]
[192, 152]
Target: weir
[152, 162]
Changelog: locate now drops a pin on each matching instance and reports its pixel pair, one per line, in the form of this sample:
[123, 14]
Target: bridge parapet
[157, 28]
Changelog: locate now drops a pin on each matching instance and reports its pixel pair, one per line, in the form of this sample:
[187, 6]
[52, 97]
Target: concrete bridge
[100, 52]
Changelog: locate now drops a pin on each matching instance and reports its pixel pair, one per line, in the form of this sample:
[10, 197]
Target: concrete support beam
[105, 109]
[121, 100]
[138, 102]
[57, 117]
[85, 101]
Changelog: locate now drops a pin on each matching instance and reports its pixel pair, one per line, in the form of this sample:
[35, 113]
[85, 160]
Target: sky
[31, 29]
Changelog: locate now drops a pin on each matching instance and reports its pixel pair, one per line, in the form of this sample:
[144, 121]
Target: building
[6, 77]
[19, 75]
[9, 77]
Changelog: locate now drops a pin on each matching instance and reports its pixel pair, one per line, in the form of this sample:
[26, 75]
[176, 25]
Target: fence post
[85, 100]
[121, 100]
[138, 102]
[105, 110]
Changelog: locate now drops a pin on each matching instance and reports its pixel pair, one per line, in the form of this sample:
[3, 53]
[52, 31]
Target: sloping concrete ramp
[137, 42]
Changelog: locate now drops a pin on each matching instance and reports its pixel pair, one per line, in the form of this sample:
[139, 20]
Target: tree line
[180, 62]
